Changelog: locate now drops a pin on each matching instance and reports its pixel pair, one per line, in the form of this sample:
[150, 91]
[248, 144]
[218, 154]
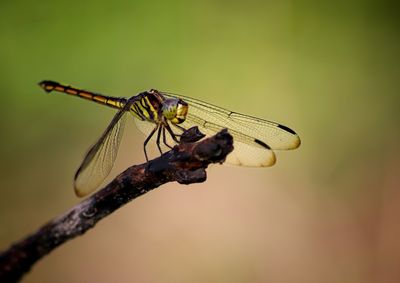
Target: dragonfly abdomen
[114, 102]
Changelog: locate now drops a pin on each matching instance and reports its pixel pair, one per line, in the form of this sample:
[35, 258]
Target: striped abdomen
[114, 102]
[147, 105]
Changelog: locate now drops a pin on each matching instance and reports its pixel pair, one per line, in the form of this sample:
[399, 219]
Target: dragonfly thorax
[174, 110]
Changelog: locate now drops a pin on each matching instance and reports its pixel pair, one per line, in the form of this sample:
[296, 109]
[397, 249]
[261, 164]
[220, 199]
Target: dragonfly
[163, 117]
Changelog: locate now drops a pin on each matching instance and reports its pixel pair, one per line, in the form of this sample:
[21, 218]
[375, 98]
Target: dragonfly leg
[180, 127]
[173, 136]
[147, 140]
[158, 138]
[165, 138]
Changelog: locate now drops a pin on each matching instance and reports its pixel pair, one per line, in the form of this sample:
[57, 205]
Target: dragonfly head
[175, 110]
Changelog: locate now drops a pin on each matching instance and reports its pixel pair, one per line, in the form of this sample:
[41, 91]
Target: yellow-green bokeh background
[327, 212]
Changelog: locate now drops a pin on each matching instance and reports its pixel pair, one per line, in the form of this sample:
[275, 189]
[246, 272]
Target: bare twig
[186, 164]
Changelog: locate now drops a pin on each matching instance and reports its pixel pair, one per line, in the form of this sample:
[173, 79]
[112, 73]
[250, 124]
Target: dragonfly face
[174, 110]
[164, 117]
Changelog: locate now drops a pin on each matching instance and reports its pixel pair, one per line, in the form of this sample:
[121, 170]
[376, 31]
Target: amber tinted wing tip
[297, 142]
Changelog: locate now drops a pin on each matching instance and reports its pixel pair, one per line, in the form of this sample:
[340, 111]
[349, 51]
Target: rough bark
[185, 163]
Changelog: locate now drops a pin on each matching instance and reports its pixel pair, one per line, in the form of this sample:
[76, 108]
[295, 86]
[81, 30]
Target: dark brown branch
[186, 164]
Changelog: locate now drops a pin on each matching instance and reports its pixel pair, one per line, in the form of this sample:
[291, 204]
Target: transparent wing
[254, 138]
[100, 159]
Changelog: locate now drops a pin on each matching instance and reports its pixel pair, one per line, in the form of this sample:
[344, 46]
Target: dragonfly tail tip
[46, 85]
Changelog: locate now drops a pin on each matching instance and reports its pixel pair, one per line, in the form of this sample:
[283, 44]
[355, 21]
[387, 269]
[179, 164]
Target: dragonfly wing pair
[254, 138]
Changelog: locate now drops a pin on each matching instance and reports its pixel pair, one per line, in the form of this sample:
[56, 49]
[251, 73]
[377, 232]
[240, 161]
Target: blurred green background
[327, 212]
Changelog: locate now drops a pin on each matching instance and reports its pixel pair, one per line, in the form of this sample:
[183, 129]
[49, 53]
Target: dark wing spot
[262, 143]
[287, 129]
